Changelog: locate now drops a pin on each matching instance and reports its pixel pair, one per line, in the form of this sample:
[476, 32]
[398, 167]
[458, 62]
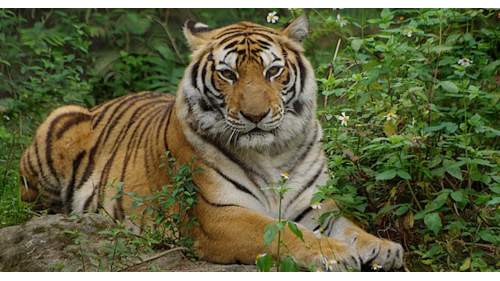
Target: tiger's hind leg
[50, 166]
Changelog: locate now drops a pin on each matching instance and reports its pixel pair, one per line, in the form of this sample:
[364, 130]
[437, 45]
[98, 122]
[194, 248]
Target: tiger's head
[249, 86]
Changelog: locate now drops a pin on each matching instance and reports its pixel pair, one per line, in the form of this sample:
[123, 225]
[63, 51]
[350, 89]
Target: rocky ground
[43, 244]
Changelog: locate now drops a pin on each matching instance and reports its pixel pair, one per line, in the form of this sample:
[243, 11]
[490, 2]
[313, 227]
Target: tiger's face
[249, 86]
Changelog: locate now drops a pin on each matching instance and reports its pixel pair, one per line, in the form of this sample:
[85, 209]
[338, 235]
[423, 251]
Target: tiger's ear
[197, 33]
[296, 29]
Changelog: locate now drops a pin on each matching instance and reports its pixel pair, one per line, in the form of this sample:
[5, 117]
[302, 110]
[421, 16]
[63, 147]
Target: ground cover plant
[409, 100]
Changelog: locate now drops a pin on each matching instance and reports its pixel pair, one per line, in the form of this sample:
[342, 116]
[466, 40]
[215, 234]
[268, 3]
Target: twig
[155, 257]
[172, 40]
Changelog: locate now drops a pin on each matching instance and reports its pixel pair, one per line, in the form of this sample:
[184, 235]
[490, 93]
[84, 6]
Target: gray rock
[44, 244]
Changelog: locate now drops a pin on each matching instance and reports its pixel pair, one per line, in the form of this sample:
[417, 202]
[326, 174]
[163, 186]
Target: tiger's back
[76, 152]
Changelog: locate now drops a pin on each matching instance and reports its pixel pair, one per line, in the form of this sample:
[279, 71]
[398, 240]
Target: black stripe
[165, 136]
[236, 184]
[128, 151]
[80, 117]
[90, 165]
[132, 119]
[265, 43]
[71, 186]
[302, 72]
[303, 155]
[232, 44]
[217, 205]
[227, 54]
[227, 153]
[308, 184]
[246, 34]
[141, 135]
[42, 177]
[242, 31]
[302, 214]
[194, 74]
[163, 128]
[121, 137]
[152, 153]
[120, 101]
[48, 144]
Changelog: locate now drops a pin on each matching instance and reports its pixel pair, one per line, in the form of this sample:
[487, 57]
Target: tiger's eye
[228, 74]
[273, 70]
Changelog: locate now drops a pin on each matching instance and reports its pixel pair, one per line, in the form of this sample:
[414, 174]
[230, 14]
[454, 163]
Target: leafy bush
[418, 159]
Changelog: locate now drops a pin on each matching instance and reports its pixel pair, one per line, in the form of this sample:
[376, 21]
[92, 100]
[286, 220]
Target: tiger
[246, 111]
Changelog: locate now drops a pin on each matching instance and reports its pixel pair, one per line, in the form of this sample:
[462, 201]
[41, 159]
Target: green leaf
[281, 226]
[495, 188]
[403, 174]
[387, 209]
[490, 69]
[433, 222]
[289, 265]
[494, 201]
[435, 204]
[403, 210]
[270, 233]
[453, 168]
[488, 236]
[135, 197]
[458, 196]
[264, 263]
[386, 14]
[449, 86]
[356, 44]
[452, 39]
[295, 230]
[387, 175]
[465, 265]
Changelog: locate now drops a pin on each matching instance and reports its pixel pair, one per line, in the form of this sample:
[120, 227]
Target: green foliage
[419, 156]
[166, 223]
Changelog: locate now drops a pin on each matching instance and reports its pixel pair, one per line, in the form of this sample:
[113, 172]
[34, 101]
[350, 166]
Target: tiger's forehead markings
[244, 27]
[246, 42]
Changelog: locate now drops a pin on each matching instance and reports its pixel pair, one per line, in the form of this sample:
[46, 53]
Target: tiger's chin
[256, 139]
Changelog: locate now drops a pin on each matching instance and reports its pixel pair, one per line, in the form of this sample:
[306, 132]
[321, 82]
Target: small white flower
[6, 117]
[413, 121]
[272, 17]
[407, 32]
[465, 62]
[329, 264]
[318, 232]
[390, 116]
[259, 256]
[341, 20]
[285, 176]
[316, 206]
[376, 266]
[344, 118]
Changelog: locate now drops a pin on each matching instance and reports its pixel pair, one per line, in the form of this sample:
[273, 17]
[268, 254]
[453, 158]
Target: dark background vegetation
[428, 178]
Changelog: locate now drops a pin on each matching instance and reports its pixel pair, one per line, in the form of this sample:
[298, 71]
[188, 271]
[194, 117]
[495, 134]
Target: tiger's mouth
[256, 131]
[260, 132]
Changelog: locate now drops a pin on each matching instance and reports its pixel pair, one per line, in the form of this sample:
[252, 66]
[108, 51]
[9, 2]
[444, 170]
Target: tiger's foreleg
[229, 234]
[371, 249]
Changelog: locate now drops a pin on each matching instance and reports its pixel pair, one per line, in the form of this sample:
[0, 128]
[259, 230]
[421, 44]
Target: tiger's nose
[256, 118]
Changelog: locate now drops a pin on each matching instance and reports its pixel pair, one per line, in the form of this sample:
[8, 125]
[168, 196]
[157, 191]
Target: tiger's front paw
[384, 253]
[334, 255]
